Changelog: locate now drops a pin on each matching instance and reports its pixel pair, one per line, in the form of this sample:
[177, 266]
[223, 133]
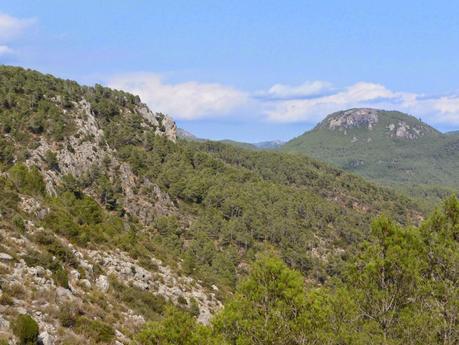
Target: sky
[248, 70]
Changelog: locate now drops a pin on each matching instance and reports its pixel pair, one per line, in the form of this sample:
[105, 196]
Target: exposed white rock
[163, 123]
[5, 257]
[33, 206]
[102, 283]
[164, 282]
[402, 130]
[45, 338]
[365, 117]
[85, 283]
[4, 324]
[63, 293]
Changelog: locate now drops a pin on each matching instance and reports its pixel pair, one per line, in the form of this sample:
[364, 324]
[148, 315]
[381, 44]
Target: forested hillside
[109, 222]
[389, 147]
[402, 287]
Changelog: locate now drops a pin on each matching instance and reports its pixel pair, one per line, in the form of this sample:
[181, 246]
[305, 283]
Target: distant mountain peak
[184, 134]
[393, 124]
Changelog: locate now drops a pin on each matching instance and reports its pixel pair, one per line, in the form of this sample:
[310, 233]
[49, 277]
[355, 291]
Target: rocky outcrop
[163, 281]
[164, 124]
[402, 130]
[147, 205]
[353, 118]
[86, 150]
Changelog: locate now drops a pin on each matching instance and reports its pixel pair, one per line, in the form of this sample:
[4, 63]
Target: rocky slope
[388, 146]
[87, 294]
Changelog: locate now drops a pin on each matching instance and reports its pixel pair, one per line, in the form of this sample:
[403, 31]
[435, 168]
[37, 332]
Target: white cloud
[443, 110]
[313, 109]
[187, 101]
[307, 89]
[11, 27]
[309, 102]
[4, 50]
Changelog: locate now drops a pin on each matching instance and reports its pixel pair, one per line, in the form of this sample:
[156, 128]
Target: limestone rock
[102, 283]
[45, 338]
[5, 257]
[354, 118]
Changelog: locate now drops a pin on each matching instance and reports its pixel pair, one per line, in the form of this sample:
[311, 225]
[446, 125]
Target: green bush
[143, 302]
[61, 278]
[97, 330]
[27, 180]
[51, 161]
[6, 299]
[25, 328]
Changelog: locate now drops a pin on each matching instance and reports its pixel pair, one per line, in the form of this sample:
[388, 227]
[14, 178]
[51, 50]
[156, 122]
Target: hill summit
[390, 147]
[394, 124]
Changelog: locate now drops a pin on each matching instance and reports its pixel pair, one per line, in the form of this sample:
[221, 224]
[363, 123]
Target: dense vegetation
[424, 167]
[300, 229]
[231, 202]
[239, 201]
[401, 288]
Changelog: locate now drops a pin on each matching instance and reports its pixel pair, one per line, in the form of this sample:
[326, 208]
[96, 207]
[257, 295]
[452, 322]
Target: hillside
[107, 222]
[389, 147]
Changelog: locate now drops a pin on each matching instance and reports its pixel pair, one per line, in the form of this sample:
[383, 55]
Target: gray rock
[45, 338]
[102, 283]
[85, 283]
[63, 293]
[5, 257]
[4, 324]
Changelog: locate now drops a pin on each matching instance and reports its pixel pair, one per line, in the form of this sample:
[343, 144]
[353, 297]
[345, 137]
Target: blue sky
[248, 70]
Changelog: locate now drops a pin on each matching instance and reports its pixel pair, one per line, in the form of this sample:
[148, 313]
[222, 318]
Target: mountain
[183, 134]
[264, 145]
[269, 145]
[452, 133]
[108, 224]
[389, 147]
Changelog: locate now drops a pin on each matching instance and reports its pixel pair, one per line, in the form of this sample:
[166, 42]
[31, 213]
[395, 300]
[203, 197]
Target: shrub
[143, 302]
[27, 180]
[182, 300]
[5, 299]
[19, 223]
[61, 277]
[25, 328]
[68, 315]
[51, 161]
[97, 330]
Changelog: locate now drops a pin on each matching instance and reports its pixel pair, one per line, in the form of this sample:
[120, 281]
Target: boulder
[102, 283]
[45, 338]
[5, 257]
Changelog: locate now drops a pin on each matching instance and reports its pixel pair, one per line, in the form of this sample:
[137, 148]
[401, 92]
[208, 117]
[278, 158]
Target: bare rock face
[402, 130]
[87, 150]
[354, 118]
[163, 123]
